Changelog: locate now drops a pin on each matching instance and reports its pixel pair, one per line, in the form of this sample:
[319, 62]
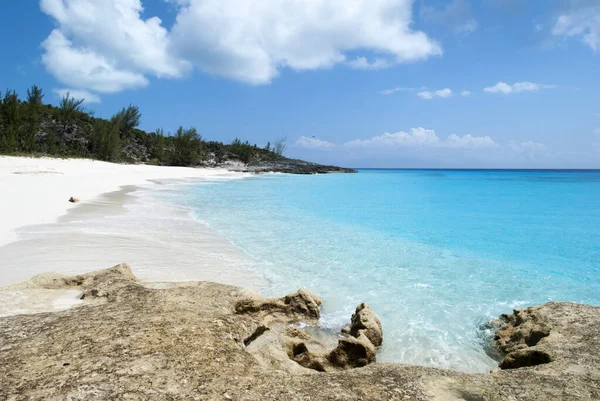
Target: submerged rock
[209, 341]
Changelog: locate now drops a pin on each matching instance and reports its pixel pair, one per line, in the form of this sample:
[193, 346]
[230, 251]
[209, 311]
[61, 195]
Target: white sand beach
[41, 231]
[37, 190]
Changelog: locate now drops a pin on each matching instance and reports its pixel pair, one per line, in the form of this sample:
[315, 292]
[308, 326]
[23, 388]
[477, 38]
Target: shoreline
[37, 190]
[126, 221]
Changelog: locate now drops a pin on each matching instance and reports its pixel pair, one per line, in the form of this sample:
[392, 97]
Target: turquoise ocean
[436, 253]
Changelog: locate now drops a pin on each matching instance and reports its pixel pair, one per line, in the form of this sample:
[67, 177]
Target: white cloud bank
[421, 147]
[421, 137]
[313, 143]
[443, 93]
[504, 88]
[581, 20]
[107, 46]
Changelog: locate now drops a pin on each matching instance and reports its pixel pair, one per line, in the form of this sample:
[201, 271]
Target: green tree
[268, 147]
[10, 120]
[69, 109]
[34, 103]
[107, 140]
[187, 147]
[157, 151]
[243, 150]
[128, 119]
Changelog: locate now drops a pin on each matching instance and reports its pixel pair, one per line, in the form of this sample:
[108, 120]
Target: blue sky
[387, 83]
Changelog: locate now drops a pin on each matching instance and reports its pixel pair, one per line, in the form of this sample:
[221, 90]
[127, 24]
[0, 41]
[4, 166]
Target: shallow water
[435, 253]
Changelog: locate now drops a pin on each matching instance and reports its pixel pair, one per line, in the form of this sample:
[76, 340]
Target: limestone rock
[365, 322]
[353, 352]
[302, 305]
[188, 342]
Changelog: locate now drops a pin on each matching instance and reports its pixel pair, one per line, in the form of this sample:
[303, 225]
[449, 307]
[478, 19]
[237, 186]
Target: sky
[359, 83]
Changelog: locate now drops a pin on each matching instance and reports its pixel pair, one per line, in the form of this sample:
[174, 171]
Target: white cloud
[313, 143]
[455, 15]
[83, 68]
[397, 89]
[443, 93]
[78, 94]
[581, 20]
[465, 93]
[470, 142]
[109, 45]
[251, 40]
[597, 131]
[421, 137]
[106, 46]
[502, 87]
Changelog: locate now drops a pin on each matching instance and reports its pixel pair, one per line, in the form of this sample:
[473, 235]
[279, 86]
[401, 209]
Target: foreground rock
[208, 341]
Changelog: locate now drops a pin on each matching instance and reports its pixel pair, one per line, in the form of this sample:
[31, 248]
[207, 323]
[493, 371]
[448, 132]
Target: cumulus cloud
[502, 87]
[78, 94]
[313, 143]
[83, 68]
[251, 40]
[581, 20]
[443, 93]
[465, 93]
[109, 45]
[456, 16]
[106, 46]
[421, 137]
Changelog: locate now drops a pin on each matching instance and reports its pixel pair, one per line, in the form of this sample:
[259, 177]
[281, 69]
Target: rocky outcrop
[209, 341]
[300, 306]
[291, 166]
[356, 349]
[365, 322]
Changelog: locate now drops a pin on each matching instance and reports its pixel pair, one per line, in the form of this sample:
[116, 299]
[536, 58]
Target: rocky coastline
[206, 341]
[284, 165]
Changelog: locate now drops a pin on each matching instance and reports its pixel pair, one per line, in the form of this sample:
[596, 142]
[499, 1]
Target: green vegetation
[72, 130]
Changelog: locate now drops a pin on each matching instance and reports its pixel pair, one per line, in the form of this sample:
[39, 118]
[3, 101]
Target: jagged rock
[520, 330]
[523, 358]
[356, 350]
[353, 352]
[302, 305]
[365, 322]
[188, 342]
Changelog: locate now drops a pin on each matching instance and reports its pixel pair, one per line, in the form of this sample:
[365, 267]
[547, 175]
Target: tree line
[71, 130]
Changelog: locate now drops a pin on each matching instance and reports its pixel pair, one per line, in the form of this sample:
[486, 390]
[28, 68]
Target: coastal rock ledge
[205, 341]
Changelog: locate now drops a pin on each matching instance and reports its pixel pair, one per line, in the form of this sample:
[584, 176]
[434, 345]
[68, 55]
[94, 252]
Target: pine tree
[128, 119]
[34, 103]
[10, 117]
[69, 107]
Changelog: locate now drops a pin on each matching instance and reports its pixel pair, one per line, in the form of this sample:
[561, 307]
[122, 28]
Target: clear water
[435, 253]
